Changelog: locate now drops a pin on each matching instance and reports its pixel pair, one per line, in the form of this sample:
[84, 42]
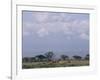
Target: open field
[50, 64]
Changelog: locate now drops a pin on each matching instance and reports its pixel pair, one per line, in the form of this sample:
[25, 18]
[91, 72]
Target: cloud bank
[44, 24]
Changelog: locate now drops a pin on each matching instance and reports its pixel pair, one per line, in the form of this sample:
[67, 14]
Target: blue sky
[62, 33]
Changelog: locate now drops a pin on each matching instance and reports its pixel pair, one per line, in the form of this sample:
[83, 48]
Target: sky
[60, 32]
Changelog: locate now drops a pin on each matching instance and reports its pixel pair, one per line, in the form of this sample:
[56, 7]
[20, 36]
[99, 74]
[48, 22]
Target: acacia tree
[40, 57]
[87, 57]
[49, 55]
[77, 57]
[64, 57]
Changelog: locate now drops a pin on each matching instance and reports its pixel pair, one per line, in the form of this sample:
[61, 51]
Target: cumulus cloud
[40, 17]
[26, 33]
[42, 32]
[84, 36]
[45, 23]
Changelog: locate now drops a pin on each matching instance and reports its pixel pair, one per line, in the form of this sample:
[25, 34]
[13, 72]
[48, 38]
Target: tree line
[50, 56]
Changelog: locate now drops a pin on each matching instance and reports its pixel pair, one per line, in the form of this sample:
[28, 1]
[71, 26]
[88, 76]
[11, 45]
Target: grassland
[50, 64]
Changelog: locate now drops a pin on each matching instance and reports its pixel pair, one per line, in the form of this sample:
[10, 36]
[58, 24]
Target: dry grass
[55, 64]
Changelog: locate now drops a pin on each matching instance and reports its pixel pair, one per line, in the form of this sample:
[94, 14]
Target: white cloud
[44, 27]
[67, 28]
[40, 17]
[84, 36]
[42, 32]
[26, 33]
[28, 24]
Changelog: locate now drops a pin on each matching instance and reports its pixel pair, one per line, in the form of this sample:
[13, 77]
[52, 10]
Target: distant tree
[32, 59]
[87, 57]
[49, 55]
[40, 57]
[64, 57]
[77, 57]
[26, 59]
